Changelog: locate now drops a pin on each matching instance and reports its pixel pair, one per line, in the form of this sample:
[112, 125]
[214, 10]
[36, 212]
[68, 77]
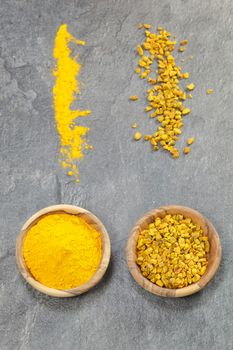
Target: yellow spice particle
[172, 251]
[209, 91]
[134, 125]
[147, 26]
[133, 98]
[190, 57]
[137, 136]
[186, 150]
[184, 42]
[186, 75]
[137, 70]
[190, 96]
[62, 251]
[186, 111]
[191, 86]
[73, 136]
[181, 49]
[190, 140]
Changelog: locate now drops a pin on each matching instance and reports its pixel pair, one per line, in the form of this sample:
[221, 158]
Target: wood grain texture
[214, 256]
[93, 221]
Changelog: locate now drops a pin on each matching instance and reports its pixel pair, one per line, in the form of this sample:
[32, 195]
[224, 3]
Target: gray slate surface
[120, 179]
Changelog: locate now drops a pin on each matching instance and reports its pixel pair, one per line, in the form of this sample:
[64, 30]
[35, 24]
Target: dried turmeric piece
[209, 91]
[191, 86]
[133, 98]
[137, 136]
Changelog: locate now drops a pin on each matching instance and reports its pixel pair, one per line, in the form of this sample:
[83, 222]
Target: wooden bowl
[91, 220]
[214, 257]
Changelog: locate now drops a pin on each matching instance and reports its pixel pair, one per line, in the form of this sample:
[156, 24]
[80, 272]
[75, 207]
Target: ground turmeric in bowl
[172, 252]
[62, 251]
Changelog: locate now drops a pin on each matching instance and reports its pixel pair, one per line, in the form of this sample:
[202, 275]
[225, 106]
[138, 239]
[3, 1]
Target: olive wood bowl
[93, 221]
[214, 256]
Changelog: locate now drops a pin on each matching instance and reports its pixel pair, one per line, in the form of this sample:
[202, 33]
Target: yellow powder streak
[72, 136]
[62, 251]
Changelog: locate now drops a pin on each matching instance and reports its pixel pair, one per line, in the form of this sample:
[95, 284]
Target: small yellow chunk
[70, 173]
[190, 96]
[184, 42]
[209, 91]
[138, 70]
[186, 75]
[186, 111]
[140, 50]
[191, 86]
[190, 140]
[134, 125]
[181, 49]
[186, 150]
[147, 26]
[133, 98]
[137, 136]
[148, 109]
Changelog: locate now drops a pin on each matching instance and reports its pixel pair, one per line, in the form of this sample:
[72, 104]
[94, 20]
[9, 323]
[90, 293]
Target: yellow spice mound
[62, 251]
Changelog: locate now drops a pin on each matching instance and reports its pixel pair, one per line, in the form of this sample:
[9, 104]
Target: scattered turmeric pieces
[165, 97]
[209, 91]
[72, 135]
[172, 251]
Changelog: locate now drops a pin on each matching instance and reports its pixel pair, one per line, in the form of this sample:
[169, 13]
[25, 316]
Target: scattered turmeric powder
[172, 251]
[72, 136]
[165, 97]
[62, 251]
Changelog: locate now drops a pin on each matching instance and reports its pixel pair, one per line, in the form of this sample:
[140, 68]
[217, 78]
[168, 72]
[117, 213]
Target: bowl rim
[208, 229]
[73, 210]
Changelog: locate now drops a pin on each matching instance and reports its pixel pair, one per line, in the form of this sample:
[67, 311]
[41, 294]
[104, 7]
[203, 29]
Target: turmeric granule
[72, 135]
[209, 91]
[191, 87]
[62, 251]
[134, 98]
[165, 96]
[173, 251]
[134, 125]
[186, 150]
[190, 141]
[137, 136]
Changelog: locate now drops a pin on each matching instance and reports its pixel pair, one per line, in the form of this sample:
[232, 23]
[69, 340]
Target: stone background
[120, 179]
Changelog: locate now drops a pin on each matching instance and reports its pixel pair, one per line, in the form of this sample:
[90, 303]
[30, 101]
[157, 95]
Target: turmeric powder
[62, 251]
[72, 136]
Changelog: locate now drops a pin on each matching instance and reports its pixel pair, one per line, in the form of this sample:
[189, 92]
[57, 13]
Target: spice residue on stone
[72, 134]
